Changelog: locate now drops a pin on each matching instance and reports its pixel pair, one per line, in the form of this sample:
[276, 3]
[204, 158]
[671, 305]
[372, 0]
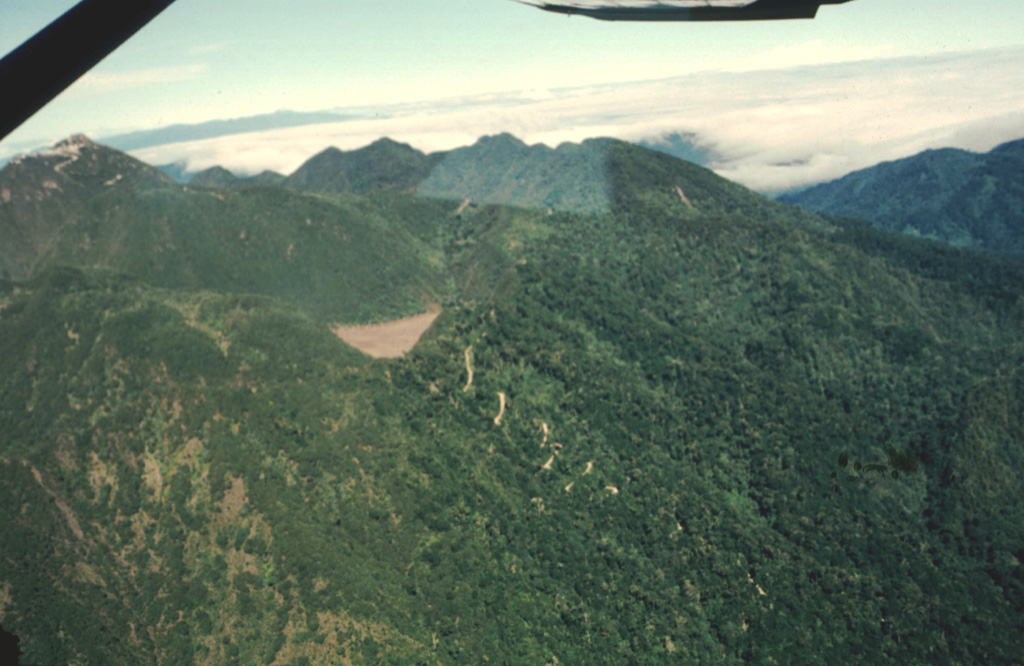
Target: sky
[779, 104]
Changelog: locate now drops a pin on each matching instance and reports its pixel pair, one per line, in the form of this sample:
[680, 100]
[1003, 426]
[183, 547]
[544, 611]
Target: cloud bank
[771, 130]
[94, 83]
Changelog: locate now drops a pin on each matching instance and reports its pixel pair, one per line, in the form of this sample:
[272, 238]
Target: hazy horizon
[779, 104]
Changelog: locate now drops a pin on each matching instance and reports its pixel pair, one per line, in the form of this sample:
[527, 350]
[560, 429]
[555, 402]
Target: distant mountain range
[498, 169]
[702, 427]
[953, 196]
[87, 205]
[383, 165]
[958, 197]
[502, 169]
[219, 177]
[216, 128]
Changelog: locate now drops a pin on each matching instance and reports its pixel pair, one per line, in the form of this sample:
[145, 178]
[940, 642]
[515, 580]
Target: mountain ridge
[501, 169]
[384, 164]
[93, 207]
[578, 178]
[43, 193]
[954, 196]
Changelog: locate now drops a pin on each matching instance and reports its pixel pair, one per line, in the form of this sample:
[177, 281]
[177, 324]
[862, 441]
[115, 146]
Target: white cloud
[771, 129]
[206, 49]
[95, 83]
[815, 52]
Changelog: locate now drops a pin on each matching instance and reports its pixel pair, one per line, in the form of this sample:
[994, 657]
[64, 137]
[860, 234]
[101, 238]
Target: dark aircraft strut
[59, 54]
[41, 68]
[688, 10]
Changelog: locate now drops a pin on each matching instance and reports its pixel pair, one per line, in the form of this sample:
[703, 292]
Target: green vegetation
[343, 258]
[953, 196]
[217, 177]
[495, 170]
[383, 165]
[705, 398]
[41, 196]
[504, 170]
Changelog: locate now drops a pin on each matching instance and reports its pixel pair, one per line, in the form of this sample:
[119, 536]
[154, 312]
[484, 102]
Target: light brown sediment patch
[99, 474]
[5, 598]
[590, 468]
[391, 339]
[544, 427]
[760, 590]
[613, 489]
[192, 448]
[469, 368]
[65, 452]
[683, 196]
[59, 168]
[342, 635]
[549, 463]
[501, 408]
[64, 508]
[85, 573]
[233, 499]
[152, 475]
[569, 487]
[190, 312]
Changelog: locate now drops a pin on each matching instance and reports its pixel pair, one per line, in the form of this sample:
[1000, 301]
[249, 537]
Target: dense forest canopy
[703, 427]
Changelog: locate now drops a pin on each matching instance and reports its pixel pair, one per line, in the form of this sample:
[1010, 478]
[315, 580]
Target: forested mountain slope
[383, 165]
[43, 194]
[954, 196]
[218, 177]
[344, 258]
[495, 170]
[704, 428]
[503, 170]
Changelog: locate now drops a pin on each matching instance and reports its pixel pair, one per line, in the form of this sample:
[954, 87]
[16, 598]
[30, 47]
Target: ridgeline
[961, 198]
